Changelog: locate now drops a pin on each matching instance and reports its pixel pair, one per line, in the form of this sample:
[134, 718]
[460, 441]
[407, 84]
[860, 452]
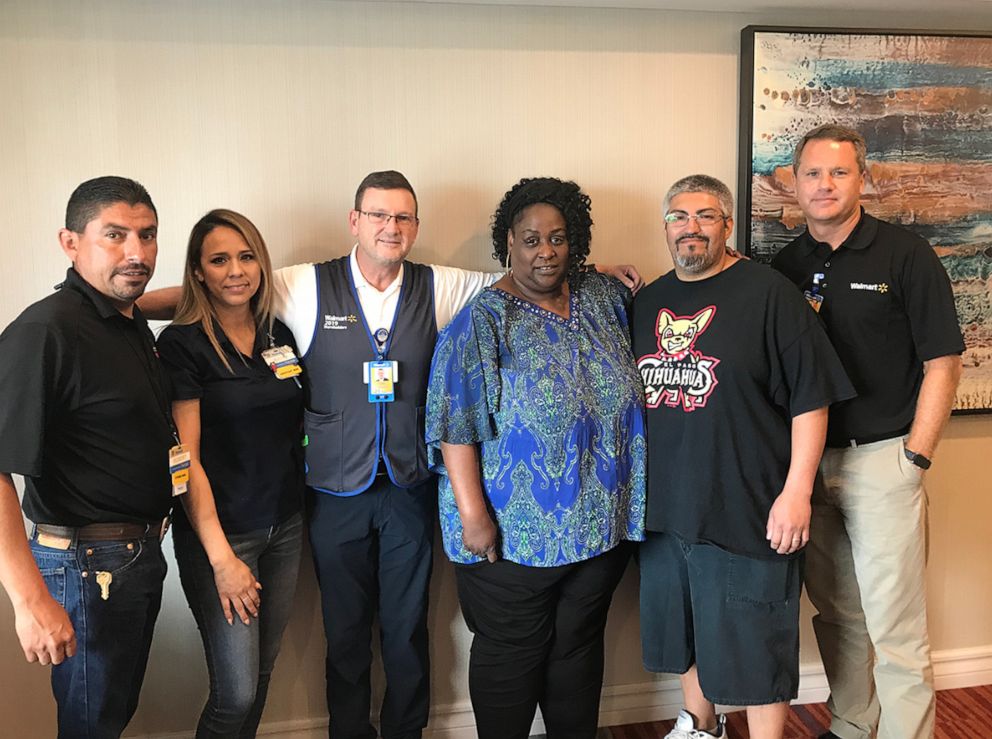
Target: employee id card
[815, 300]
[179, 468]
[813, 295]
[282, 361]
[381, 377]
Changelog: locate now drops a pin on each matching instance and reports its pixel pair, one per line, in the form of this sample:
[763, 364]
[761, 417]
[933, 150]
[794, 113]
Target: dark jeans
[97, 689]
[240, 658]
[538, 641]
[373, 553]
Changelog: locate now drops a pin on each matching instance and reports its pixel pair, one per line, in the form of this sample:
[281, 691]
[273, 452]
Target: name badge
[815, 300]
[179, 469]
[282, 361]
[381, 377]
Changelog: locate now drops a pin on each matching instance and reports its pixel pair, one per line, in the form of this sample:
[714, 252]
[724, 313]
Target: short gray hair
[833, 132]
[703, 183]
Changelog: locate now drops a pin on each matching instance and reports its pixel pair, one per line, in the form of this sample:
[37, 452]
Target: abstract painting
[923, 102]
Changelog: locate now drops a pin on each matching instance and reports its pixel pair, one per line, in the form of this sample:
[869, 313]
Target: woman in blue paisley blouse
[535, 423]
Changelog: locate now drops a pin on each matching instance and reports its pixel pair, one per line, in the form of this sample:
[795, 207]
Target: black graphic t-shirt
[727, 362]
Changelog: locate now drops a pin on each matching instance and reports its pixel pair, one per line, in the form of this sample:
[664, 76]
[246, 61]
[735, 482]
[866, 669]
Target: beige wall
[278, 109]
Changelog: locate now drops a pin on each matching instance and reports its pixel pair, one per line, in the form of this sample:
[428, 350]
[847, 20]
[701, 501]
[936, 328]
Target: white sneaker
[685, 728]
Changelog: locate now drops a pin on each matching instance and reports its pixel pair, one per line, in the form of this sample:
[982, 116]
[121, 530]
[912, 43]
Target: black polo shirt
[250, 425]
[887, 308]
[83, 411]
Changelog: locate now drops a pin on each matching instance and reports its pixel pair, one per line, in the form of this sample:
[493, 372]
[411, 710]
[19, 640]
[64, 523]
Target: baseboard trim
[647, 701]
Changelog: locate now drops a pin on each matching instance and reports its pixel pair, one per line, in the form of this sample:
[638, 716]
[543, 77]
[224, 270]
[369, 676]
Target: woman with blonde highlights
[238, 409]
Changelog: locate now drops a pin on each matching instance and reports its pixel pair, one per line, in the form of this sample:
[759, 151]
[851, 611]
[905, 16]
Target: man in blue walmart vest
[365, 325]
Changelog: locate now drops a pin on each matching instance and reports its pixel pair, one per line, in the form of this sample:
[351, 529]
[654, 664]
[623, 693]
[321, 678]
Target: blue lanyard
[380, 351]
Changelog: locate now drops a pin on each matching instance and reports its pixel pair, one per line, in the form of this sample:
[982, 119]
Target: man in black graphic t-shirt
[738, 375]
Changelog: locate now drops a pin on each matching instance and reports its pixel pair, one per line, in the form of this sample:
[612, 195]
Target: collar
[104, 308]
[861, 236]
[362, 284]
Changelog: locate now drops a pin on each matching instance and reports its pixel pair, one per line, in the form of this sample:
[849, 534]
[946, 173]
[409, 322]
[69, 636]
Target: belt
[862, 440]
[105, 531]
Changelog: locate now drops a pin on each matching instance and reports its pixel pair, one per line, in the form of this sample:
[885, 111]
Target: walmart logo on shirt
[875, 287]
[338, 323]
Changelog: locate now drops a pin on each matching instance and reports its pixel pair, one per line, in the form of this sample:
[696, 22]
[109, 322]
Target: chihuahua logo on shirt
[678, 375]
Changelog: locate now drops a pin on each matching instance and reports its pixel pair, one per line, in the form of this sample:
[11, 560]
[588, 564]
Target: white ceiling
[894, 6]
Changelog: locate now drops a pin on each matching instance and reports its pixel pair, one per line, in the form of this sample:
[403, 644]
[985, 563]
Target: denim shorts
[735, 617]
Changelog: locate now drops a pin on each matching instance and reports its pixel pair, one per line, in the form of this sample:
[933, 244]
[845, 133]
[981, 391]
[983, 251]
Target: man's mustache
[698, 237]
[143, 269]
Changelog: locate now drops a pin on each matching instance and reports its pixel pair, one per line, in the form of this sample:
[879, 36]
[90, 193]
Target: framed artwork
[923, 102]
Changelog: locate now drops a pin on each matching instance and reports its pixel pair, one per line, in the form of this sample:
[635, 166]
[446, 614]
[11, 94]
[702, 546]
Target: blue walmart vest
[347, 435]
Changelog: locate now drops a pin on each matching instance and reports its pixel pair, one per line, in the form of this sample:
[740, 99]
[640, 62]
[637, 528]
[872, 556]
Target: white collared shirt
[296, 299]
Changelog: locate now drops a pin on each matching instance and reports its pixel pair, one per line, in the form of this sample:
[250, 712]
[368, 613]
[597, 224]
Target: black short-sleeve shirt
[84, 411]
[250, 425]
[726, 362]
[887, 308]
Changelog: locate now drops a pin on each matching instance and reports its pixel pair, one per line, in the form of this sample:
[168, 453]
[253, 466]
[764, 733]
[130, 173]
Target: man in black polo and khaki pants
[887, 305]
[84, 417]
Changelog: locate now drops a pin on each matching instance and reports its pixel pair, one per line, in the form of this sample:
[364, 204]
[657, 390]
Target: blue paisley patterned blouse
[555, 406]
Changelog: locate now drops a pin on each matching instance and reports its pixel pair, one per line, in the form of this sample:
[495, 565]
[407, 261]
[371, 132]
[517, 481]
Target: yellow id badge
[282, 361]
[179, 469]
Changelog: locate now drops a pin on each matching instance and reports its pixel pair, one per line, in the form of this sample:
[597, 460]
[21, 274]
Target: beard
[695, 262]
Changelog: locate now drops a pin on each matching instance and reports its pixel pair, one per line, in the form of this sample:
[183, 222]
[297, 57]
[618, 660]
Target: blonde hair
[195, 305]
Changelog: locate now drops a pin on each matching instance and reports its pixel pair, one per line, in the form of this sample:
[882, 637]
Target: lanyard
[817, 279]
[380, 351]
[148, 359]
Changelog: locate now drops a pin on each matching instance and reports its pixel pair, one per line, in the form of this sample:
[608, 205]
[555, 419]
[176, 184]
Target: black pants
[373, 553]
[538, 641]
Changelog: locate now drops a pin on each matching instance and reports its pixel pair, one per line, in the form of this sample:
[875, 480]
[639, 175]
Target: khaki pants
[866, 575]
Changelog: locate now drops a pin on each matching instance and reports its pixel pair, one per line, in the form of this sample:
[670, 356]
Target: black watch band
[918, 459]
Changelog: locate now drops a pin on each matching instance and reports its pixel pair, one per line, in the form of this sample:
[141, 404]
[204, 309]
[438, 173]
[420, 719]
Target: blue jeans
[97, 689]
[240, 658]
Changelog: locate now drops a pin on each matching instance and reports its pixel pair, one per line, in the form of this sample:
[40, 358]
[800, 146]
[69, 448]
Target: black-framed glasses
[706, 218]
[379, 218]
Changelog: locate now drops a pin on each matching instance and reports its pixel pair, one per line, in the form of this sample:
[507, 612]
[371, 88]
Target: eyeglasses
[706, 218]
[378, 218]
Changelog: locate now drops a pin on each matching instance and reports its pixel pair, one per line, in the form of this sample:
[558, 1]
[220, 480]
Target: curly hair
[573, 204]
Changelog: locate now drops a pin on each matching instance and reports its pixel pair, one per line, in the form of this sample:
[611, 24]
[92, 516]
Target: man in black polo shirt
[887, 305]
[84, 418]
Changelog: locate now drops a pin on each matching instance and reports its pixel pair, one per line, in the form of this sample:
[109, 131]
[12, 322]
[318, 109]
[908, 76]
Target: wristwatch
[918, 459]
